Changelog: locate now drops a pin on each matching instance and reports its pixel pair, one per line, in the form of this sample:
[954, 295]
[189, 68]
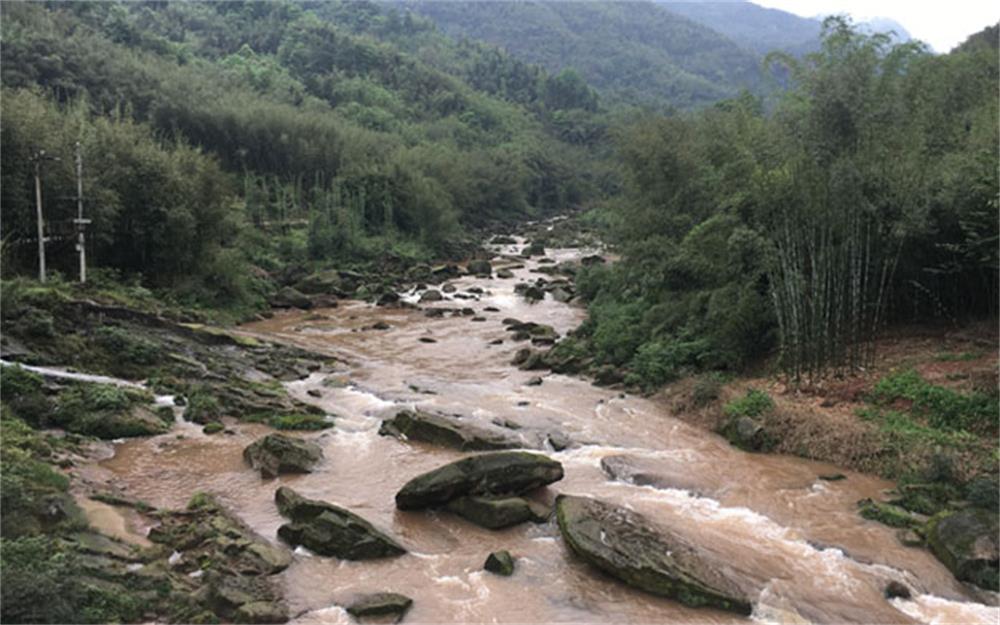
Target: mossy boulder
[966, 542]
[498, 473]
[500, 563]
[278, 453]
[380, 604]
[496, 513]
[629, 547]
[440, 430]
[330, 530]
[321, 283]
[889, 514]
[289, 297]
[480, 267]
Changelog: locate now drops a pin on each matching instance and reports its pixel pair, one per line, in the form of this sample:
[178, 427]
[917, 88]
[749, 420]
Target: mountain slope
[635, 51]
[754, 27]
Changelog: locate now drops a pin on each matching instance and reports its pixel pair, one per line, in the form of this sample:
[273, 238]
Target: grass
[958, 357]
[941, 408]
[299, 421]
[753, 404]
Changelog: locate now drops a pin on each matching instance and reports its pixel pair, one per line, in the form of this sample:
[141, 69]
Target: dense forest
[869, 195]
[207, 129]
[636, 52]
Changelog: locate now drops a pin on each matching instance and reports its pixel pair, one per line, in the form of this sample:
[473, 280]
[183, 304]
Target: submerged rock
[496, 513]
[431, 295]
[330, 530]
[431, 428]
[277, 453]
[966, 542]
[628, 546]
[380, 604]
[499, 473]
[500, 562]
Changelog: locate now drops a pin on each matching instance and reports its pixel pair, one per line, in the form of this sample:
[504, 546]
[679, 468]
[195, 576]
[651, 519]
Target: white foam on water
[56, 372]
[452, 580]
[479, 585]
[935, 610]
[332, 614]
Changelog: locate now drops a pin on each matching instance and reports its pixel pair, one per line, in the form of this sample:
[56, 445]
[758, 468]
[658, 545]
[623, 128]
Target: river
[796, 542]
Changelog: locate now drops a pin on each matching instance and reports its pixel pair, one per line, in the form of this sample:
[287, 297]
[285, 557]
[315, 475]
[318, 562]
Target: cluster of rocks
[486, 489]
[224, 566]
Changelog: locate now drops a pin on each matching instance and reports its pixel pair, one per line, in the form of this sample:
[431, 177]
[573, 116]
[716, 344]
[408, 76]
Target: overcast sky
[943, 24]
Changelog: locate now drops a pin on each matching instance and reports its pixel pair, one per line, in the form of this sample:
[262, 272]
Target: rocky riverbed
[439, 431]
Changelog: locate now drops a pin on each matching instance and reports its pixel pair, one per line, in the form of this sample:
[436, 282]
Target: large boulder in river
[966, 542]
[628, 546]
[321, 283]
[330, 530]
[480, 267]
[498, 473]
[498, 512]
[278, 453]
[439, 430]
[289, 297]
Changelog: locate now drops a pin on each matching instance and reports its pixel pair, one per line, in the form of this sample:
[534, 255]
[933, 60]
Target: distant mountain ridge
[634, 51]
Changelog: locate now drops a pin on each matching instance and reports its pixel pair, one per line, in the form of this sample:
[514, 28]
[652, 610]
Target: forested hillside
[868, 197]
[210, 131]
[635, 51]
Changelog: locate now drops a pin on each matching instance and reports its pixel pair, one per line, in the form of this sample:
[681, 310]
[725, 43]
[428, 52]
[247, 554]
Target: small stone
[895, 590]
[380, 604]
[833, 477]
[535, 381]
[909, 538]
[313, 392]
[380, 325]
[427, 339]
[500, 562]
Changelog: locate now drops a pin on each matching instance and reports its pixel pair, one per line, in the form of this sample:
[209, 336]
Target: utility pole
[38, 158]
[81, 223]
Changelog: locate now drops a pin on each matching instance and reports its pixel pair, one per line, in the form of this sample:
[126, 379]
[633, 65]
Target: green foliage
[942, 408]
[126, 347]
[887, 514]
[32, 493]
[754, 404]
[44, 582]
[299, 422]
[202, 406]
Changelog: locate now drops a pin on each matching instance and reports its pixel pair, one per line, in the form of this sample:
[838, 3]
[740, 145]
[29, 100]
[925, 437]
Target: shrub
[706, 389]
[202, 407]
[753, 404]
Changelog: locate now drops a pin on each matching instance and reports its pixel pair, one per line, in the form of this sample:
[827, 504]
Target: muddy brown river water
[795, 542]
